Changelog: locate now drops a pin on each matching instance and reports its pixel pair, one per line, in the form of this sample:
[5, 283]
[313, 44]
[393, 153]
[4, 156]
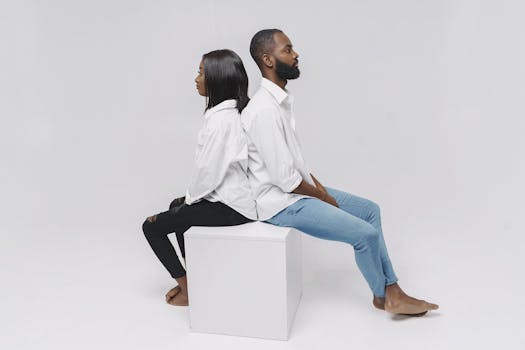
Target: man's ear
[267, 60]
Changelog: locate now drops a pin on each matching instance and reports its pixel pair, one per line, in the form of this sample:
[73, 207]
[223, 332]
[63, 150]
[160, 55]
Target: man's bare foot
[398, 302]
[172, 293]
[379, 302]
[181, 299]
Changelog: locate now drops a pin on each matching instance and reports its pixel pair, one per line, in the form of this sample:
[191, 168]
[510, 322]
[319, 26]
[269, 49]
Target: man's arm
[268, 137]
[266, 132]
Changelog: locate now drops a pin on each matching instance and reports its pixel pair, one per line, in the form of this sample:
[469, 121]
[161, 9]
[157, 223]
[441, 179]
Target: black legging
[179, 218]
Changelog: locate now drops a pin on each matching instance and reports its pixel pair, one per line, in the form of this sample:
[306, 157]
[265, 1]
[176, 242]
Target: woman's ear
[267, 60]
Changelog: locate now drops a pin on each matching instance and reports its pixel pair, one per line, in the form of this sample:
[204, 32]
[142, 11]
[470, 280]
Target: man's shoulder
[262, 99]
[261, 104]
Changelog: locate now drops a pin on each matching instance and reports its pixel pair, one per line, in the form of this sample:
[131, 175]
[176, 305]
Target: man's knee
[374, 206]
[375, 211]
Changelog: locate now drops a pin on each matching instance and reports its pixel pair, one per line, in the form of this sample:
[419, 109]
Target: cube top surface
[256, 230]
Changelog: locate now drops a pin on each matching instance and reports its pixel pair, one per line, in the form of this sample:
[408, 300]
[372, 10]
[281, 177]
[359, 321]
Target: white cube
[244, 280]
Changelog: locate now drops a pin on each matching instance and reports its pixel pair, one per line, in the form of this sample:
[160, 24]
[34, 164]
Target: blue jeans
[357, 221]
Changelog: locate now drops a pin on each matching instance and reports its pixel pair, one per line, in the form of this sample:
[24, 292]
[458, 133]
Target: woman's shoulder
[223, 119]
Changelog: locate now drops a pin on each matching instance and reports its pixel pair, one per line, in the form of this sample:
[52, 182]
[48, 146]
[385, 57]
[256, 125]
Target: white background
[416, 105]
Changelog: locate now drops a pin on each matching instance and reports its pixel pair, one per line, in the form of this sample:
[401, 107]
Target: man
[287, 194]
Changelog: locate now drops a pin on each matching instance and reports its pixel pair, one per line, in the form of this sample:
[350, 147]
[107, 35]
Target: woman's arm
[212, 163]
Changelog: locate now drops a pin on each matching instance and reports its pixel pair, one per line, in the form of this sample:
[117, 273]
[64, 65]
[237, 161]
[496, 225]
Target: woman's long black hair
[225, 78]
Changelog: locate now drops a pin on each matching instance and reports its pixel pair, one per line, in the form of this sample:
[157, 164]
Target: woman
[219, 194]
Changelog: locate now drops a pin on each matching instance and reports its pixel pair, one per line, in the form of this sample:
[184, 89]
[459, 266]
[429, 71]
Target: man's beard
[285, 71]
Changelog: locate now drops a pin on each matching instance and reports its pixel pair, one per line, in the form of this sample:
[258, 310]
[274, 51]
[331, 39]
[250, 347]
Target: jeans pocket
[295, 208]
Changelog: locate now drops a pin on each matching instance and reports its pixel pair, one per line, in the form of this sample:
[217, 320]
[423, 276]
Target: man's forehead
[281, 39]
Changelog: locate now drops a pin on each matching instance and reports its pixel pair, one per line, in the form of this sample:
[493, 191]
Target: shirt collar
[279, 94]
[226, 104]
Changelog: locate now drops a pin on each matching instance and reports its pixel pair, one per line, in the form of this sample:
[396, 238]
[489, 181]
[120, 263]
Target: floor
[71, 292]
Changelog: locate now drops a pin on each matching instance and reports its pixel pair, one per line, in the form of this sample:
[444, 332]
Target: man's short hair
[262, 42]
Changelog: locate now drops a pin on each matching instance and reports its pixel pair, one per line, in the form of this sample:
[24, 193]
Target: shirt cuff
[291, 184]
[188, 200]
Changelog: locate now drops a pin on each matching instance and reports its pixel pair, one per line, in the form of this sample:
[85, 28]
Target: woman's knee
[147, 228]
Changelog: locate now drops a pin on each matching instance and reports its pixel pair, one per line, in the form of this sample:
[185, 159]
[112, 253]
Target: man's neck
[276, 80]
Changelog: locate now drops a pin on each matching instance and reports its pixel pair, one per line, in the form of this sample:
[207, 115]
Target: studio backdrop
[416, 105]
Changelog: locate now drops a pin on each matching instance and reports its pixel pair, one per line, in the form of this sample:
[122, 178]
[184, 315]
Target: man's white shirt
[221, 161]
[275, 162]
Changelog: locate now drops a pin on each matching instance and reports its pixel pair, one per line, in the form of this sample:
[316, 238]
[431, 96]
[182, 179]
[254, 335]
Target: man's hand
[329, 199]
[318, 184]
[317, 191]
[326, 196]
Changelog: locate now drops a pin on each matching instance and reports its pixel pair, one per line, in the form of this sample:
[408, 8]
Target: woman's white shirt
[221, 161]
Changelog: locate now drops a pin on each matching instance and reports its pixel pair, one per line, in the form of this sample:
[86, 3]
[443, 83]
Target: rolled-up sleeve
[267, 134]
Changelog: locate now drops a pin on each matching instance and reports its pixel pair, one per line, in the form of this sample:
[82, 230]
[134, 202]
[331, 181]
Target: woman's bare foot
[172, 293]
[398, 302]
[181, 299]
[179, 295]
